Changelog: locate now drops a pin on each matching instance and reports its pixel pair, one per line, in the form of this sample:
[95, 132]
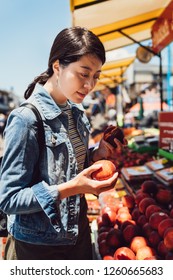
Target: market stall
[133, 221]
[116, 22]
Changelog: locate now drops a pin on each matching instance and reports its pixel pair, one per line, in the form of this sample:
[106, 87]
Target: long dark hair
[69, 46]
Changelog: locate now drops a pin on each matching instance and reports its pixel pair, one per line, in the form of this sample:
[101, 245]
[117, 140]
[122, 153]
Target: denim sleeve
[20, 156]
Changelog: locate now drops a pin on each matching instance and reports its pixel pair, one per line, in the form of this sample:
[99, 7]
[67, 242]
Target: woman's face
[78, 79]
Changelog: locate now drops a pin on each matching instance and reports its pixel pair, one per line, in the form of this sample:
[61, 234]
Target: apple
[142, 220]
[114, 238]
[164, 196]
[140, 196]
[144, 203]
[149, 186]
[103, 248]
[152, 258]
[147, 229]
[138, 242]
[154, 238]
[124, 216]
[102, 236]
[105, 172]
[139, 191]
[104, 229]
[145, 252]
[128, 201]
[152, 209]
[129, 232]
[162, 250]
[127, 223]
[123, 209]
[163, 225]
[135, 213]
[124, 253]
[169, 256]
[108, 257]
[168, 238]
[156, 218]
[108, 216]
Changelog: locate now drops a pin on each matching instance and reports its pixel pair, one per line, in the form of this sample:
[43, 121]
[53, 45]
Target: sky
[27, 31]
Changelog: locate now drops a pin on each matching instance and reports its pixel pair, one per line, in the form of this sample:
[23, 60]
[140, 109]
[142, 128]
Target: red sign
[162, 30]
[166, 130]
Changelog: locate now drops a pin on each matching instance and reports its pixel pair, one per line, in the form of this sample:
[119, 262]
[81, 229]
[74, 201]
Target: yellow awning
[113, 71]
[119, 63]
[111, 20]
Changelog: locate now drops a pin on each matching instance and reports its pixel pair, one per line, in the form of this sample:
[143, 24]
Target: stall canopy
[113, 71]
[118, 23]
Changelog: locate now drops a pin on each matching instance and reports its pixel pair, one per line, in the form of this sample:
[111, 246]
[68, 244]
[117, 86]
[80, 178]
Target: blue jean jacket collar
[48, 106]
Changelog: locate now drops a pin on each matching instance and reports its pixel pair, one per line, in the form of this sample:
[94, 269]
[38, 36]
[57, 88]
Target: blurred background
[136, 81]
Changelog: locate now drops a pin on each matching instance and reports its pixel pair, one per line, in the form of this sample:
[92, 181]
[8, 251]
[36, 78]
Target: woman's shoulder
[22, 115]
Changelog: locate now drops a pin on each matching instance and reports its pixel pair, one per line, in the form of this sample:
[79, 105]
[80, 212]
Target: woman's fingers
[91, 169]
[113, 178]
[119, 144]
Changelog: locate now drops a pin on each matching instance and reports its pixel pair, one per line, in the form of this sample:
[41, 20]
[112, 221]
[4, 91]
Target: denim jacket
[35, 212]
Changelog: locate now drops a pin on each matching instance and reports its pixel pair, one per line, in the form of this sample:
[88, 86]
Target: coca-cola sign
[162, 30]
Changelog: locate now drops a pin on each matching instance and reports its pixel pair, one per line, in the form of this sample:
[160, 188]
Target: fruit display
[129, 158]
[137, 227]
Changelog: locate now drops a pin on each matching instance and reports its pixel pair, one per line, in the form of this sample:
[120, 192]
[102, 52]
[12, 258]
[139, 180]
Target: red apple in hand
[105, 172]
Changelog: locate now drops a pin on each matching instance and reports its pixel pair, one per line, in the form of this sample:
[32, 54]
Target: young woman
[47, 217]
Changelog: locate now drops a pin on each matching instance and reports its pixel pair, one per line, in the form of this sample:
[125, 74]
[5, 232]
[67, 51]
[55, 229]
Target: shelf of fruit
[128, 157]
[135, 227]
[137, 223]
[96, 203]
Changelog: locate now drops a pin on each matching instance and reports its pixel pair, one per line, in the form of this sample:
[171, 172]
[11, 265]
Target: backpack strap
[41, 136]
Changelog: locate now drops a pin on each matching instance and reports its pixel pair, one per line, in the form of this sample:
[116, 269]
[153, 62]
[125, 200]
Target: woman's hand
[84, 183]
[107, 151]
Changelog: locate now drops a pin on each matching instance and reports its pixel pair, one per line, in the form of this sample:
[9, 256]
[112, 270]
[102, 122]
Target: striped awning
[113, 72]
[117, 22]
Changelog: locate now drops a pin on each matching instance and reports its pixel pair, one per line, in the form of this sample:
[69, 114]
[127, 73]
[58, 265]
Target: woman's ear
[55, 66]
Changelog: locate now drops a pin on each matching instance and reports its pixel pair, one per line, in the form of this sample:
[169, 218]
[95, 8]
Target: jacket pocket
[54, 139]
[57, 156]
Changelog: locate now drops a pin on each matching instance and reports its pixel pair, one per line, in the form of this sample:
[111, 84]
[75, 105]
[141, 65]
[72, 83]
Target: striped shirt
[78, 145]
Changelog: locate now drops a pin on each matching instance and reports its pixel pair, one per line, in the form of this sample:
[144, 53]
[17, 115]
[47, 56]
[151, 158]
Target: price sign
[166, 130]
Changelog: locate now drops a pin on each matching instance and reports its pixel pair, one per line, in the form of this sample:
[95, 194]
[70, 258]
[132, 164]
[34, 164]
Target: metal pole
[161, 83]
[168, 76]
